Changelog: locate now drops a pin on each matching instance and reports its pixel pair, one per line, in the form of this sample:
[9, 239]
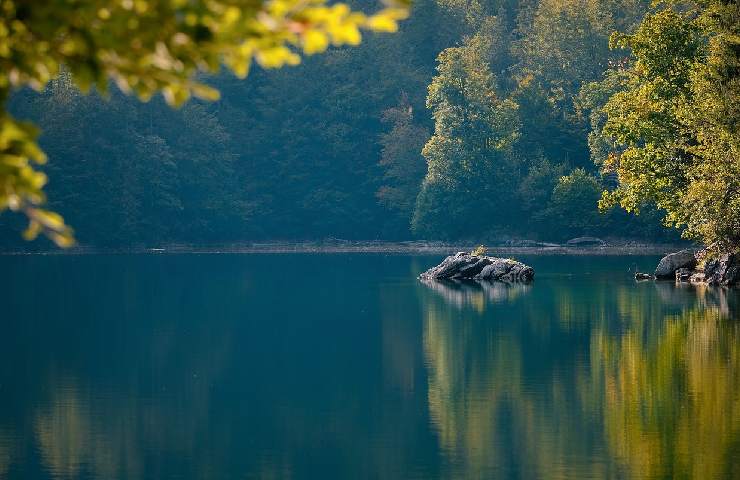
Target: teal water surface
[339, 366]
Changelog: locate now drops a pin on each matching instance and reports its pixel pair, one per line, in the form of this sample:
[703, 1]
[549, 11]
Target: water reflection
[7, 451]
[204, 371]
[627, 381]
[64, 433]
[463, 293]
[671, 402]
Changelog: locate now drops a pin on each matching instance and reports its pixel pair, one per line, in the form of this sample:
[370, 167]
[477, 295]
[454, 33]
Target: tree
[573, 205]
[534, 192]
[147, 46]
[673, 120]
[467, 154]
[402, 160]
[711, 205]
[563, 45]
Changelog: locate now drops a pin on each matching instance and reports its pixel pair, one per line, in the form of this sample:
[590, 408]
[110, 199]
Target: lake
[343, 366]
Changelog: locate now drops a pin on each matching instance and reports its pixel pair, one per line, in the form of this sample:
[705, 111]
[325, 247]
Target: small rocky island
[469, 266]
[697, 266]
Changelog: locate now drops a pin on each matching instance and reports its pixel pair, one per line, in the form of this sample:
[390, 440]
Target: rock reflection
[476, 294]
[654, 393]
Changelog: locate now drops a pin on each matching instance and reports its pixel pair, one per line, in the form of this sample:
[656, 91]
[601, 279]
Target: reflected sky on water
[234, 366]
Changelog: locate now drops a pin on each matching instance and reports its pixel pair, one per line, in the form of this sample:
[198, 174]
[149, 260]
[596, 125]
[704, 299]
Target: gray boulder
[452, 266]
[465, 266]
[672, 262]
[711, 270]
[723, 270]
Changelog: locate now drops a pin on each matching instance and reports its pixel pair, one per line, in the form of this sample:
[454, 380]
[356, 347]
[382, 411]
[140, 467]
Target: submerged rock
[467, 266]
[672, 262]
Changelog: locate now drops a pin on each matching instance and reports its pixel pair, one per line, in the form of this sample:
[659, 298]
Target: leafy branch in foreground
[145, 47]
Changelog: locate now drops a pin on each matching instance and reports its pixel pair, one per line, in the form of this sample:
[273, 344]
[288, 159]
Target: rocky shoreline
[697, 267]
[347, 246]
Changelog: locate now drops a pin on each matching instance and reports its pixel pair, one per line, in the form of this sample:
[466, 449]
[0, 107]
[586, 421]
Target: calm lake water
[345, 366]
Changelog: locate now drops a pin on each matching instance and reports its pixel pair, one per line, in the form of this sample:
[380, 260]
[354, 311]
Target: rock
[450, 266]
[473, 269]
[506, 270]
[698, 277]
[718, 270]
[723, 270]
[643, 276]
[672, 262]
[683, 275]
[466, 266]
[586, 242]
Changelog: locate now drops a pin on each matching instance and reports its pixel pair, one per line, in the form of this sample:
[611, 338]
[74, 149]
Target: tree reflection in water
[382, 377]
[627, 380]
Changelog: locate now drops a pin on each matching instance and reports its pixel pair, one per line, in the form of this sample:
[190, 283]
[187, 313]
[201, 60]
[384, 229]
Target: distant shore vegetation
[539, 119]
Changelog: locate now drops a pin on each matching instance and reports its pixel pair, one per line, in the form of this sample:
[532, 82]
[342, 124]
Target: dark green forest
[478, 120]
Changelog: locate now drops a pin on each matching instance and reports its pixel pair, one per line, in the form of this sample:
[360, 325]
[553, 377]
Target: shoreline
[417, 248]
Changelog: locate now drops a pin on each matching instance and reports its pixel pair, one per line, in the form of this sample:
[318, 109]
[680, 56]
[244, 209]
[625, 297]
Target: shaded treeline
[345, 146]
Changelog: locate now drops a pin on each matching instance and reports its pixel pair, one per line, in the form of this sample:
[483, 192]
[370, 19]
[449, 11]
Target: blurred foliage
[144, 47]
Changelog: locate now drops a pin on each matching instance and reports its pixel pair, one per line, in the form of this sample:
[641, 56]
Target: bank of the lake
[348, 246]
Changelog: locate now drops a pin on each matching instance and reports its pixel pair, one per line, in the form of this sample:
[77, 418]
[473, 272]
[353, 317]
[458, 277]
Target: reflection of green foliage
[657, 393]
[488, 417]
[670, 402]
[7, 451]
[147, 46]
[462, 408]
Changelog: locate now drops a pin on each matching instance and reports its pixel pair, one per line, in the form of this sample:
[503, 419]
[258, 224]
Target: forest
[479, 119]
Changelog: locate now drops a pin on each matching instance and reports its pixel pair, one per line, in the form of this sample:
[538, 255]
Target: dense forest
[485, 120]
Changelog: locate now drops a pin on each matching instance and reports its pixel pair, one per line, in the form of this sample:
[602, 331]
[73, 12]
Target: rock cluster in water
[466, 266]
[697, 267]
[721, 270]
[672, 262]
